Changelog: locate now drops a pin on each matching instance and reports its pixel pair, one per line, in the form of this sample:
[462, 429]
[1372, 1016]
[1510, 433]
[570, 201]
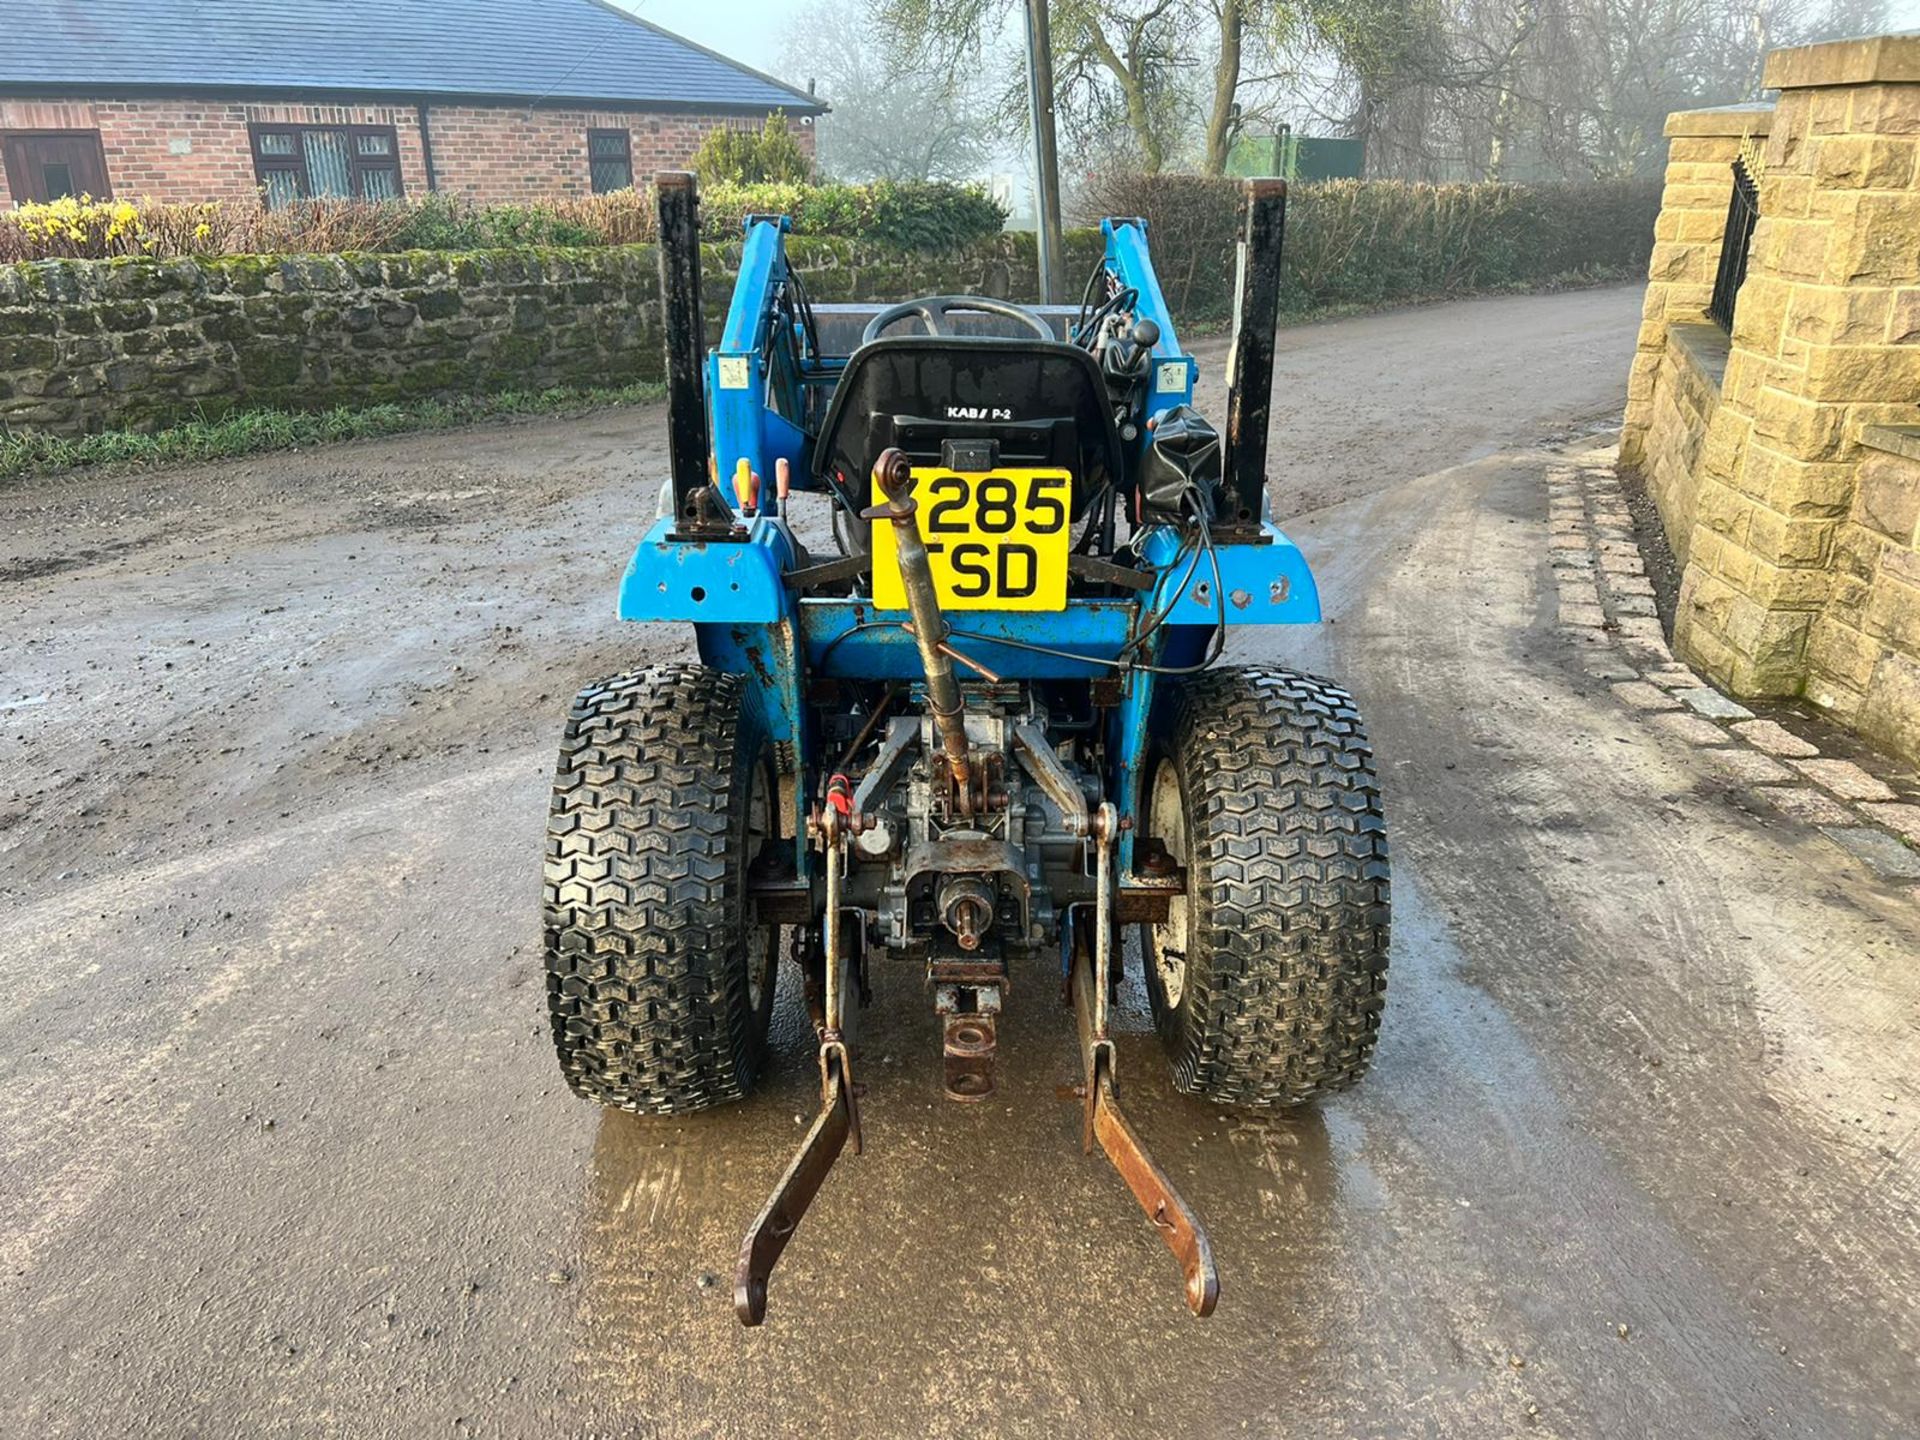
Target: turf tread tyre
[1287, 918]
[647, 922]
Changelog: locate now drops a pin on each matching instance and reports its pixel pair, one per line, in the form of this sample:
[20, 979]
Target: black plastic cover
[1184, 455]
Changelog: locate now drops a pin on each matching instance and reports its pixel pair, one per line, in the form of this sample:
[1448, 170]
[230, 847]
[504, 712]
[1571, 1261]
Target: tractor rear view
[977, 736]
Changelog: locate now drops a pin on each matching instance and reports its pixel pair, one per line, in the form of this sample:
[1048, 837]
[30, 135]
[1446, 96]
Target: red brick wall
[198, 150]
[496, 154]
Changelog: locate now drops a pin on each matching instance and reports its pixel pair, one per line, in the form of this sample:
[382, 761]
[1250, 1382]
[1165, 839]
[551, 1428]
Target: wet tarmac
[287, 1154]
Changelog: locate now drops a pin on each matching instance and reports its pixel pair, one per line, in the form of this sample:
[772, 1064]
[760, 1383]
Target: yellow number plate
[998, 540]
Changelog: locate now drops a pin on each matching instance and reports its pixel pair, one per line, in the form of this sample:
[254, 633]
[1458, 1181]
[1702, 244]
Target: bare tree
[1437, 89]
[1563, 89]
[1166, 74]
[889, 121]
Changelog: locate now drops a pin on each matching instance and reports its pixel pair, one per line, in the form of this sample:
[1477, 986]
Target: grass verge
[251, 432]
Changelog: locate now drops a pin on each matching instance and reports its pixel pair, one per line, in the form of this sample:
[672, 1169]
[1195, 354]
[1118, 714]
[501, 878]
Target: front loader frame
[726, 575]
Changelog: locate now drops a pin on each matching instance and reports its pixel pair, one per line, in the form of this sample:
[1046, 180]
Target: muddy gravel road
[286, 1152]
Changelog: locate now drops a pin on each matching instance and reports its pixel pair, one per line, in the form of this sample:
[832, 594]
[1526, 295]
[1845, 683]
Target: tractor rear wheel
[660, 977]
[1269, 974]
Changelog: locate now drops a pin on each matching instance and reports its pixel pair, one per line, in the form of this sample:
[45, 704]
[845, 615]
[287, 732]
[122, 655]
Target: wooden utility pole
[1046, 161]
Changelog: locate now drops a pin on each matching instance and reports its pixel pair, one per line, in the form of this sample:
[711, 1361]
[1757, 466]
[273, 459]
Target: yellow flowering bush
[906, 216]
[80, 227]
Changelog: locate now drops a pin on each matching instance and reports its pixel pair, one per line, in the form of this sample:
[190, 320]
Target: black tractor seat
[1041, 403]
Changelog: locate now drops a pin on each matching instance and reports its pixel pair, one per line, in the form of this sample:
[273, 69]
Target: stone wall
[88, 345]
[1823, 345]
[1683, 394]
[95, 345]
[1799, 578]
[1701, 148]
[1864, 656]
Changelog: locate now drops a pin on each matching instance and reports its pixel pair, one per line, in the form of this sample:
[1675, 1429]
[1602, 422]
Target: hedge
[1355, 243]
[906, 216]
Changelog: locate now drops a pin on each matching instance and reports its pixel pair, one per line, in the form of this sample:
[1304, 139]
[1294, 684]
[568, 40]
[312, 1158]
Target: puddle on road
[984, 1224]
[1384, 1256]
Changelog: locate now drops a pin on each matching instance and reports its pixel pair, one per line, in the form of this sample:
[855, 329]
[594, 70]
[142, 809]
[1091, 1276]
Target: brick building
[488, 100]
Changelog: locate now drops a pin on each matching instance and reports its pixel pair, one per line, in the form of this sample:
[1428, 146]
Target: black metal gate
[1743, 212]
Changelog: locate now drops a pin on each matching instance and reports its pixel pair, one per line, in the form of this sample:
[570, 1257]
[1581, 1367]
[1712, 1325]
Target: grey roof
[522, 50]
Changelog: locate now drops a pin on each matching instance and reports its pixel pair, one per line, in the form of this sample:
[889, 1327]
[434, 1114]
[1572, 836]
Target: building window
[300, 162]
[609, 160]
[48, 164]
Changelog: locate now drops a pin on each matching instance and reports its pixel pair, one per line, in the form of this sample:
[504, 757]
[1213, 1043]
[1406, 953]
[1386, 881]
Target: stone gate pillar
[1826, 341]
[1701, 147]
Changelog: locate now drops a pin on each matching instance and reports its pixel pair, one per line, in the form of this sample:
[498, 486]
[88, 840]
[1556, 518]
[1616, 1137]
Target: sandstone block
[1786, 587]
[1903, 320]
[1708, 653]
[1673, 262]
[1847, 600]
[1703, 149]
[1893, 614]
[1748, 369]
[1890, 712]
[1799, 488]
[1725, 443]
[1798, 426]
[1698, 227]
[1857, 551]
[1796, 544]
[1837, 315]
[1864, 162]
[1840, 703]
[1887, 497]
[1786, 195]
[1876, 244]
[1874, 373]
[1828, 113]
[1885, 109]
[1723, 510]
[1761, 313]
[1796, 249]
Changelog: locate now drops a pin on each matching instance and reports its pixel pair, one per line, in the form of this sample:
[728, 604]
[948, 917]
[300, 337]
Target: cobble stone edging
[1606, 609]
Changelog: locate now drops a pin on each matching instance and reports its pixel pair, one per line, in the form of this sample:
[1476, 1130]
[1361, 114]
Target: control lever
[1138, 345]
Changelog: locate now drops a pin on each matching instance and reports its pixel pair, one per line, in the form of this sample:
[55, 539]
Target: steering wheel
[934, 309]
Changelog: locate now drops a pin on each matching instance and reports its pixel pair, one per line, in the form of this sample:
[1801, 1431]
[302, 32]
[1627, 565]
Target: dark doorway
[46, 164]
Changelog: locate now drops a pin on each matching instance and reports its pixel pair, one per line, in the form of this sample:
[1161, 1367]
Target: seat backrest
[1037, 398]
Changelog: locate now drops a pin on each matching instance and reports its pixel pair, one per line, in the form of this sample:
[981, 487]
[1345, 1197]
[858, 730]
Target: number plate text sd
[998, 540]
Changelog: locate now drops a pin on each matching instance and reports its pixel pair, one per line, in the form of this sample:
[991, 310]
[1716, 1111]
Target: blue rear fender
[748, 623]
[744, 623]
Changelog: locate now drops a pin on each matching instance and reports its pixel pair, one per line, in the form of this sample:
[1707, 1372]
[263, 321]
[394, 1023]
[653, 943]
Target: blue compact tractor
[959, 573]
